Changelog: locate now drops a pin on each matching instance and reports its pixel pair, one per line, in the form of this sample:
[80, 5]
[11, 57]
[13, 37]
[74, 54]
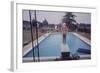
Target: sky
[56, 17]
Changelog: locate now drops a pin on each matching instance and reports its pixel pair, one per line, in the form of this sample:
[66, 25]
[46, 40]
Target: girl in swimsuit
[64, 30]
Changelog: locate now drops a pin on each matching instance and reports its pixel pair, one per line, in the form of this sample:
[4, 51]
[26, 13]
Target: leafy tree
[34, 22]
[69, 19]
[45, 23]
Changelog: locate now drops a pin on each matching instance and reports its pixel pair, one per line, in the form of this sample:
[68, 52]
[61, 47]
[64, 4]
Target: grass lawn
[27, 36]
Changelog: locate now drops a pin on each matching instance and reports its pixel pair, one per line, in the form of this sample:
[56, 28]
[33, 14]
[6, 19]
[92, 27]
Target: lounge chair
[84, 50]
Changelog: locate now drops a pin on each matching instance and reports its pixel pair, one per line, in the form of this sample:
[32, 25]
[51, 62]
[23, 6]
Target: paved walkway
[51, 58]
[83, 38]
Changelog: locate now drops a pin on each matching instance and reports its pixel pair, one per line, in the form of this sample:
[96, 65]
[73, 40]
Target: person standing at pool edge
[65, 53]
[64, 30]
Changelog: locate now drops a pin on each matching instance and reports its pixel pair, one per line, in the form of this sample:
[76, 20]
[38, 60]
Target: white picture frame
[16, 51]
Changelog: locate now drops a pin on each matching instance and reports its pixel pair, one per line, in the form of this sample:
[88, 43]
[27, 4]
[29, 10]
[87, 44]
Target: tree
[34, 22]
[69, 19]
[45, 23]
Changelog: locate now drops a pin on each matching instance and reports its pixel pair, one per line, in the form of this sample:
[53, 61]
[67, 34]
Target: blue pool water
[51, 46]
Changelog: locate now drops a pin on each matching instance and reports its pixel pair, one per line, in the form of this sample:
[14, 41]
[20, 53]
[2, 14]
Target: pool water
[75, 43]
[51, 46]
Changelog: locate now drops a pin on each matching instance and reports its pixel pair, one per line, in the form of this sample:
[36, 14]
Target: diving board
[64, 48]
[65, 51]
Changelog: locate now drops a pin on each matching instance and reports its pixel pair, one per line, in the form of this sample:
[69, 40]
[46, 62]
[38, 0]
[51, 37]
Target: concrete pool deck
[83, 38]
[53, 58]
[87, 56]
[28, 47]
[41, 58]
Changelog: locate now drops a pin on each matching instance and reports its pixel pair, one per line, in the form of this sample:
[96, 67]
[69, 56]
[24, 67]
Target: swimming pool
[51, 46]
